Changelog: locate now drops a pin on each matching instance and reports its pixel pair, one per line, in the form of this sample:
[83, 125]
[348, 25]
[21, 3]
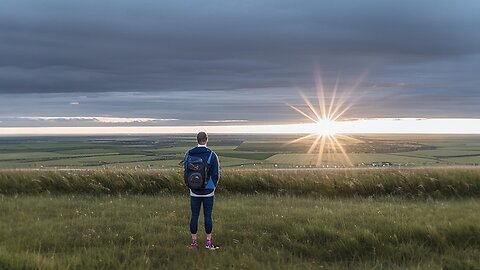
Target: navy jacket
[204, 153]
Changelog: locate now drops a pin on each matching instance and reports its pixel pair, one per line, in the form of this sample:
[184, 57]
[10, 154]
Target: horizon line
[467, 126]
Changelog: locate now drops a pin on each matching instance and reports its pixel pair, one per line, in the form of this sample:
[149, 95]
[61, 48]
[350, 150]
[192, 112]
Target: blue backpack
[197, 171]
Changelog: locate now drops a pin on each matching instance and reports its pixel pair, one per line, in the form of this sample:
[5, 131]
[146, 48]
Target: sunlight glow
[326, 127]
[324, 117]
[310, 130]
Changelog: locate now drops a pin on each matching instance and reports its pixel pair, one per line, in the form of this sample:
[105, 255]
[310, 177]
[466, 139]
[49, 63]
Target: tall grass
[337, 219]
[412, 183]
[254, 231]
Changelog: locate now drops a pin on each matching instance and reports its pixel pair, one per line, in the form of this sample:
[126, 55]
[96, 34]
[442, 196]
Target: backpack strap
[187, 154]
[184, 160]
[209, 167]
[210, 158]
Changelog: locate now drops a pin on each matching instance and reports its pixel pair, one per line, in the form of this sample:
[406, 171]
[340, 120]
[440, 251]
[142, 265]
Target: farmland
[237, 151]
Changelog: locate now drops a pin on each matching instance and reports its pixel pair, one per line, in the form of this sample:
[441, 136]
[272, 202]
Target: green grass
[245, 155]
[355, 158]
[255, 232]
[465, 160]
[407, 183]
[45, 146]
[264, 219]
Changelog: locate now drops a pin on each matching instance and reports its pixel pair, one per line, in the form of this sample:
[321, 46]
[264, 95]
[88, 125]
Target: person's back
[204, 195]
[204, 152]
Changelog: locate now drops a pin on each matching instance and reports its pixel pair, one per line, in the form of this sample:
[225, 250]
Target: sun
[326, 127]
[325, 132]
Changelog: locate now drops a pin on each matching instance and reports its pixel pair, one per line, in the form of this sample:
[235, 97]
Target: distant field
[237, 151]
[355, 158]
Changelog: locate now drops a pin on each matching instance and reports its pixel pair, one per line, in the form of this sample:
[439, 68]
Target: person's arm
[183, 160]
[215, 169]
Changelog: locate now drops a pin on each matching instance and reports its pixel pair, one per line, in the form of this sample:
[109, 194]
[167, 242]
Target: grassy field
[120, 203]
[236, 151]
[255, 232]
[365, 182]
[264, 219]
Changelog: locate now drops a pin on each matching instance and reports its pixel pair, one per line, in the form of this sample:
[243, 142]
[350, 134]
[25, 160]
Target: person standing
[202, 157]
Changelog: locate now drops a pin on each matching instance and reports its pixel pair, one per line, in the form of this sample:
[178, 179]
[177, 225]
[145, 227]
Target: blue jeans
[195, 203]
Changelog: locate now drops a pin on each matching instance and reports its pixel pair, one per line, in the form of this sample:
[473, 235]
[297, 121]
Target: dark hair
[202, 137]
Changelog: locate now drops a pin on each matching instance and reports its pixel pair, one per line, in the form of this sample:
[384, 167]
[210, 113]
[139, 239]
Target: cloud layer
[420, 55]
[100, 119]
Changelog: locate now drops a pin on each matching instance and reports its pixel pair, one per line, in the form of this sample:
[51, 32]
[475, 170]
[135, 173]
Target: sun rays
[327, 143]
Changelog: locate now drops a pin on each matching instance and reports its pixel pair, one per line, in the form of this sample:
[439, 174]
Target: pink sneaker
[209, 245]
[194, 244]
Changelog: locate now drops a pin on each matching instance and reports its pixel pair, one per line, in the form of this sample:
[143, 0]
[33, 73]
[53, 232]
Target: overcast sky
[210, 62]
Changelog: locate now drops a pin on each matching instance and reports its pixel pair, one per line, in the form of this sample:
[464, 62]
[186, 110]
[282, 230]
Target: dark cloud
[64, 46]
[408, 47]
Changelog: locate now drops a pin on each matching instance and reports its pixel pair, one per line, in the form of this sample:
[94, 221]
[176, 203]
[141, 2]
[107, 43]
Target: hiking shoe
[209, 245]
[194, 244]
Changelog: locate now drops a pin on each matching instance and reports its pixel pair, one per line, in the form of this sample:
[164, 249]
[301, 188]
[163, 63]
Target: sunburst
[326, 136]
